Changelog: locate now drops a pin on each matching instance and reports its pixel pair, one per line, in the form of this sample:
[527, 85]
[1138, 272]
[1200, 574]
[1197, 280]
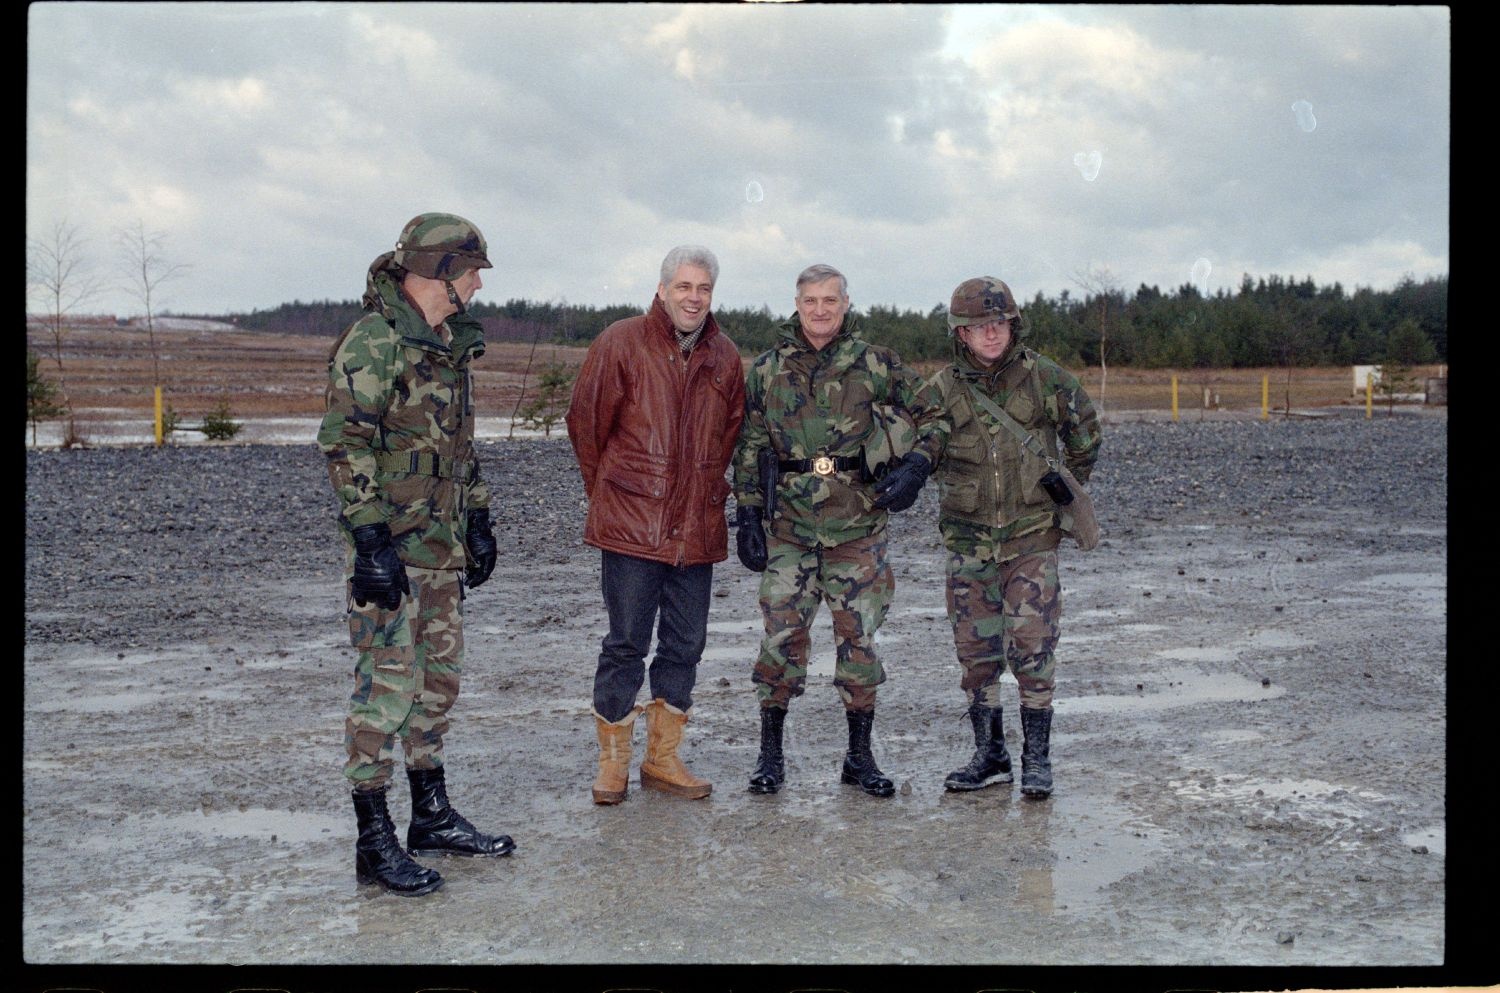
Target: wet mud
[1248, 751]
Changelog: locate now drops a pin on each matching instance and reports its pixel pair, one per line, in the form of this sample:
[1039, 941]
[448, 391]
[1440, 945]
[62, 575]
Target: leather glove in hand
[379, 575]
[898, 489]
[481, 545]
[750, 538]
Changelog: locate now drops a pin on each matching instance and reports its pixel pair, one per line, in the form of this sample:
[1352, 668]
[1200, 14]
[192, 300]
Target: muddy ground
[1249, 750]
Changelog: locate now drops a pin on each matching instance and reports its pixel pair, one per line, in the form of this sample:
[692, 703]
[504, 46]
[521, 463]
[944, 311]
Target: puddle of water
[257, 823]
[941, 611]
[1108, 615]
[1309, 799]
[1229, 736]
[1434, 837]
[112, 703]
[1279, 639]
[1198, 654]
[1188, 688]
[1407, 580]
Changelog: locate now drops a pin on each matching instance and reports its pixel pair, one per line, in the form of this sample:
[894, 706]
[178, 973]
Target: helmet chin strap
[458, 304]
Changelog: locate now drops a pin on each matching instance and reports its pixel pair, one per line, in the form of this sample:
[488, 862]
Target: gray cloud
[281, 146]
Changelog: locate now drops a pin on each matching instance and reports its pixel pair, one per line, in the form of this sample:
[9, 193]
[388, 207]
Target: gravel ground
[1249, 740]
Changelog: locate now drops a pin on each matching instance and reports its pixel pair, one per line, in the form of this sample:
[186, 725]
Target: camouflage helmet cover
[979, 300]
[441, 246]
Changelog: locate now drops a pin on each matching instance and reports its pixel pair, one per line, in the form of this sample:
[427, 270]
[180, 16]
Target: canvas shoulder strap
[1027, 440]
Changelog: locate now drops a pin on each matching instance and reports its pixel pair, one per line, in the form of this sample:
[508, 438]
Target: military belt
[419, 464]
[823, 465]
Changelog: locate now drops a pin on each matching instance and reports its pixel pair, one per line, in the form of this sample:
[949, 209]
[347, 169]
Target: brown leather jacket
[653, 435]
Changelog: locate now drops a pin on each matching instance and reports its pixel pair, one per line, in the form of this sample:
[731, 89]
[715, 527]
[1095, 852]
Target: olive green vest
[985, 476]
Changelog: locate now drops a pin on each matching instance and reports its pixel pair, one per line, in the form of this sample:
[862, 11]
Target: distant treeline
[1265, 322]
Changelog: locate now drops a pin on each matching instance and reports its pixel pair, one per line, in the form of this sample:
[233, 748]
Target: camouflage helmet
[980, 300]
[892, 434]
[441, 246]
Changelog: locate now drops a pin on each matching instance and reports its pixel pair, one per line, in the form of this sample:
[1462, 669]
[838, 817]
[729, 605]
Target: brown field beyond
[107, 374]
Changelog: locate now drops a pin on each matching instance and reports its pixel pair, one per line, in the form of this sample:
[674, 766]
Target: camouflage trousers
[406, 678]
[1005, 613]
[856, 581]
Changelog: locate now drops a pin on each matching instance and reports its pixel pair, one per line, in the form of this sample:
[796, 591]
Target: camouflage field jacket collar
[383, 294]
[794, 341]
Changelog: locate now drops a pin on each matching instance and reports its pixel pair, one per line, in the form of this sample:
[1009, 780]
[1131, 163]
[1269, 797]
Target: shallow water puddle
[1312, 800]
[256, 823]
[1434, 838]
[1179, 688]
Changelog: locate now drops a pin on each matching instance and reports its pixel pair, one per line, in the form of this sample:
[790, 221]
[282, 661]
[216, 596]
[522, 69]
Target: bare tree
[147, 269]
[58, 272]
[1098, 282]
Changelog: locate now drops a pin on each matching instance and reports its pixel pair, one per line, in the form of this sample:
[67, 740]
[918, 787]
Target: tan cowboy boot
[662, 769]
[613, 781]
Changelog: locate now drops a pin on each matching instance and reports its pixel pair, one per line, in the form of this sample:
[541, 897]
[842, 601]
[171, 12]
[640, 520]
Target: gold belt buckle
[823, 465]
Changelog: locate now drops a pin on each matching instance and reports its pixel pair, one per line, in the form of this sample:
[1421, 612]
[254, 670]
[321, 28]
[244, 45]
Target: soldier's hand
[480, 542]
[899, 488]
[750, 538]
[379, 575]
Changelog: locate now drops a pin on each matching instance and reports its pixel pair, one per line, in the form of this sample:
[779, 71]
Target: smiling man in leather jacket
[654, 415]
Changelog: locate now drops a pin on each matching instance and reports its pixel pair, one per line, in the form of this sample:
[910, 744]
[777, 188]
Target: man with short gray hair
[812, 508]
[655, 412]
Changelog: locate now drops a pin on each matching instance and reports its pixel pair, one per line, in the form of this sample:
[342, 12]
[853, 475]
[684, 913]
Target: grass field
[108, 373]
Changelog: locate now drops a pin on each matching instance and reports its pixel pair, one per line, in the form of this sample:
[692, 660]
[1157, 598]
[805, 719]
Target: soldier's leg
[858, 584]
[438, 638]
[682, 632]
[384, 686]
[976, 611]
[1033, 608]
[1033, 611]
[632, 591]
[789, 597]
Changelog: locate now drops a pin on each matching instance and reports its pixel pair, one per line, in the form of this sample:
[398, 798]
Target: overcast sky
[279, 148]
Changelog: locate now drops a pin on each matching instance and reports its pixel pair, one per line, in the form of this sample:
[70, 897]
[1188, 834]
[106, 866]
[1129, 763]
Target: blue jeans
[636, 593]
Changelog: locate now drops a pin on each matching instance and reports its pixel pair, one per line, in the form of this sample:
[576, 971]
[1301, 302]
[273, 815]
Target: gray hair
[689, 255]
[818, 273]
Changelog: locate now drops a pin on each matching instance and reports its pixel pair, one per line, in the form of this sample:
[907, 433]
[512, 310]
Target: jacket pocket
[966, 449]
[959, 496]
[631, 507]
[1021, 406]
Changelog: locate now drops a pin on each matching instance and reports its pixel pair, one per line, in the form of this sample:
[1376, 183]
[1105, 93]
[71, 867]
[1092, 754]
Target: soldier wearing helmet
[399, 438]
[1010, 408]
[811, 518]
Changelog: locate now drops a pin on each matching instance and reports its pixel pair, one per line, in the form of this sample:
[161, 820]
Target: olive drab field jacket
[653, 432]
[986, 479]
[399, 429]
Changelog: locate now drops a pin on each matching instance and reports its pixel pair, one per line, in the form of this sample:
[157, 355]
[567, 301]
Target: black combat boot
[859, 765]
[437, 829]
[379, 858]
[770, 770]
[991, 762]
[1036, 767]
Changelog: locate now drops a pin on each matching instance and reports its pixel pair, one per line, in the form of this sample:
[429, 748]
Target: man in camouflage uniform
[399, 438]
[1000, 526]
[808, 403]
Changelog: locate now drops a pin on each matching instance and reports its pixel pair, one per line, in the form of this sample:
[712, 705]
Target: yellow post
[1369, 396]
[158, 417]
[1174, 398]
[1265, 397]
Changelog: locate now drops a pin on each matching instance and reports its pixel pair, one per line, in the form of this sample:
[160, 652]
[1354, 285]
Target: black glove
[899, 487]
[480, 542]
[750, 538]
[378, 572]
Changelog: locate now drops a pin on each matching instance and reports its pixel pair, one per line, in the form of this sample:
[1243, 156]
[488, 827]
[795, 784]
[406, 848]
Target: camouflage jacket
[806, 402]
[399, 429]
[991, 503]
